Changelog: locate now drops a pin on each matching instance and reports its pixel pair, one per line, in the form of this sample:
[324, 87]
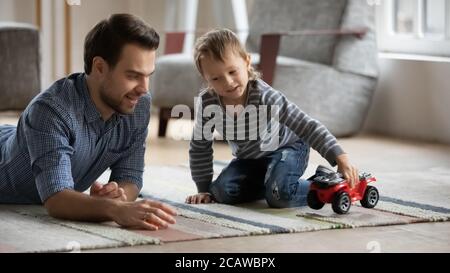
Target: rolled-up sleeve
[47, 133]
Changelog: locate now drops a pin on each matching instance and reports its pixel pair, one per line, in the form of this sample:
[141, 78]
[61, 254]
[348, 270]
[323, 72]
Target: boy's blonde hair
[214, 44]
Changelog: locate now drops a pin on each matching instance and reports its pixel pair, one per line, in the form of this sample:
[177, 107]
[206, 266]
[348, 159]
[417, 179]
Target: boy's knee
[284, 195]
[276, 193]
[224, 194]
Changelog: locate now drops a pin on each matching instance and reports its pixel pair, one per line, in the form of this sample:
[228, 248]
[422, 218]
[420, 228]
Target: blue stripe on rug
[272, 228]
[414, 204]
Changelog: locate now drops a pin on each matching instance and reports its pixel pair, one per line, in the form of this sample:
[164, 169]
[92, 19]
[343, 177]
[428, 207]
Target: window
[414, 26]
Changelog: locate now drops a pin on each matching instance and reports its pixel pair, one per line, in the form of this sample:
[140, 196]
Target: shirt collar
[91, 113]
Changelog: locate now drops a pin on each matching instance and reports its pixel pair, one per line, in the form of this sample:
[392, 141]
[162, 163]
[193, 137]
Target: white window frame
[391, 42]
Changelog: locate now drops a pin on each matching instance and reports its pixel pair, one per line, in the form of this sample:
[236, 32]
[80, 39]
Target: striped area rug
[173, 184]
[30, 229]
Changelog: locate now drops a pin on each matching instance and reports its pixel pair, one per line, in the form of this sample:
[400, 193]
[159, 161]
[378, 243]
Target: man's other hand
[110, 190]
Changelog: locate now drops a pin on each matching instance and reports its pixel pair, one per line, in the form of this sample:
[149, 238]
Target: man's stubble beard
[114, 104]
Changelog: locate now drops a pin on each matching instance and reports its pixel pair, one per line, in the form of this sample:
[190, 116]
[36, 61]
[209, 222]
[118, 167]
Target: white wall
[7, 10]
[412, 100]
[90, 12]
[18, 11]
[84, 17]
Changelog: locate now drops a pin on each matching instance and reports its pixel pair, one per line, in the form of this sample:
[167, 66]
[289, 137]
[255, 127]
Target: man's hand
[202, 197]
[349, 171]
[110, 190]
[144, 214]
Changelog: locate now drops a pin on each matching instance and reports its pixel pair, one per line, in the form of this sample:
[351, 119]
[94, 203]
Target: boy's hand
[202, 197]
[349, 171]
[110, 190]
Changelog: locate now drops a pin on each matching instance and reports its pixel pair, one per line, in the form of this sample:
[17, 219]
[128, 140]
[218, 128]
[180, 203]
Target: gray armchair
[20, 73]
[320, 53]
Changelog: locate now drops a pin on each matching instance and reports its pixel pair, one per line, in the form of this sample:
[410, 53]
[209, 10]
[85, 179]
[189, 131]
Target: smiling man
[84, 124]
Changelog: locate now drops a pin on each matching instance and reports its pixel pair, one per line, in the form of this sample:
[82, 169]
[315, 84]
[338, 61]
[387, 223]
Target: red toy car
[328, 186]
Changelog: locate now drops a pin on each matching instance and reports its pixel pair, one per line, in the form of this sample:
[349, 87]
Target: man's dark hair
[109, 36]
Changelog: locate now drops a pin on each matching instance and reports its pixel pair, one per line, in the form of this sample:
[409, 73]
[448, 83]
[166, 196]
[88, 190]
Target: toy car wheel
[370, 198]
[341, 203]
[313, 200]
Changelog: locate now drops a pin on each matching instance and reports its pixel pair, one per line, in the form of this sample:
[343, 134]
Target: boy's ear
[248, 60]
[210, 89]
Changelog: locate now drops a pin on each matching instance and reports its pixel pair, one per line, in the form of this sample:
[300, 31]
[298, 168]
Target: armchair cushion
[297, 16]
[20, 73]
[175, 81]
[350, 49]
[338, 99]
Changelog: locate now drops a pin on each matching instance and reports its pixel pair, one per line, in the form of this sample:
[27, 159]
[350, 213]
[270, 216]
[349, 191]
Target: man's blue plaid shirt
[61, 142]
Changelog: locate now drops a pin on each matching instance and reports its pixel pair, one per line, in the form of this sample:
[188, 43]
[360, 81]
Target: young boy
[241, 101]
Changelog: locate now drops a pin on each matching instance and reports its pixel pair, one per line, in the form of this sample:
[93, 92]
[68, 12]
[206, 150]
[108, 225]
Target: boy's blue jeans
[275, 177]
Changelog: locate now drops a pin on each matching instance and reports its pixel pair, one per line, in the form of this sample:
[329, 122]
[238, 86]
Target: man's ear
[99, 65]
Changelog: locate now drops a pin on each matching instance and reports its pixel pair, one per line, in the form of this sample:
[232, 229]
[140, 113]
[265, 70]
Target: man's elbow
[53, 205]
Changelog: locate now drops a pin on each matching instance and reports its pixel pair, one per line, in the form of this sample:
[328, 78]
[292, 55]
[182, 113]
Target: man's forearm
[72, 205]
